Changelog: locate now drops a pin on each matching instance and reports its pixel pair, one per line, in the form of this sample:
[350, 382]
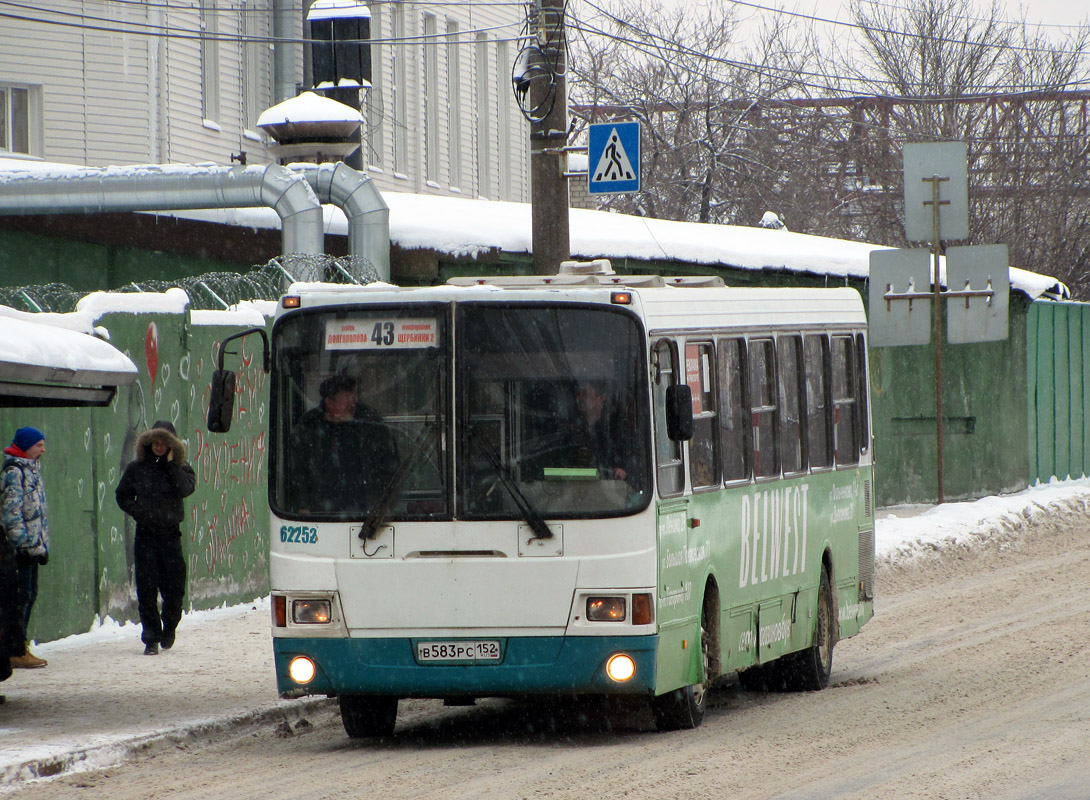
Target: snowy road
[972, 681]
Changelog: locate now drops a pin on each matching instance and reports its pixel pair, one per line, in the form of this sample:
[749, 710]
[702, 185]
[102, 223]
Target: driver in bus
[597, 434]
[342, 455]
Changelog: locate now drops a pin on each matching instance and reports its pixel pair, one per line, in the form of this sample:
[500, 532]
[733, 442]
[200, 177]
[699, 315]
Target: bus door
[679, 600]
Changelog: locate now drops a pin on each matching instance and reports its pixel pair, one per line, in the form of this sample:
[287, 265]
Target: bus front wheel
[364, 716]
[683, 708]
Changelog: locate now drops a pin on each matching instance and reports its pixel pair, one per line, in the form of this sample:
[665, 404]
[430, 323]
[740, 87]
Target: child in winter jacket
[24, 517]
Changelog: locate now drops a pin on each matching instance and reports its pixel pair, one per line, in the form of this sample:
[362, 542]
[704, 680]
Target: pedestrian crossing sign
[613, 157]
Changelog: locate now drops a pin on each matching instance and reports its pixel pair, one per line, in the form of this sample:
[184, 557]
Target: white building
[102, 83]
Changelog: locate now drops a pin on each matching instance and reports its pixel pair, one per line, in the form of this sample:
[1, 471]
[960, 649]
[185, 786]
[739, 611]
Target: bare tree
[680, 71]
[737, 123]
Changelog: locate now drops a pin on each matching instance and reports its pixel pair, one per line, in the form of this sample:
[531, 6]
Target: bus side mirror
[221, 407]
[679, 412]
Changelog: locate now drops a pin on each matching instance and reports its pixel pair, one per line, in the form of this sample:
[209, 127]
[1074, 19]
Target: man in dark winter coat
[151, 492]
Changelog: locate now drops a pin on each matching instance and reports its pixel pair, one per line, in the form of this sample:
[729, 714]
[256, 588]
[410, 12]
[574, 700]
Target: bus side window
[818, 417]
[704, 446]
[864, 392]
[845, 407]
[671, 466]
[763, 391]
[734, 422]
[792, 422]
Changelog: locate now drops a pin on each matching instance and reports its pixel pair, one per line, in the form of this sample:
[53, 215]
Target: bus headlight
[620, 667]
[301, 669]
[606, 609]
[310, 612]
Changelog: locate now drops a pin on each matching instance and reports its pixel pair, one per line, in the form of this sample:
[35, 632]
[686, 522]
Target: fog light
[605, 609]
[310, 612]
[301, 669]
[620, 667]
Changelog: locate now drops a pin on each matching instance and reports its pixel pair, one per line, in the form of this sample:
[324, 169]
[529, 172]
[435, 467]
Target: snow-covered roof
[58, 359]
[462, 227]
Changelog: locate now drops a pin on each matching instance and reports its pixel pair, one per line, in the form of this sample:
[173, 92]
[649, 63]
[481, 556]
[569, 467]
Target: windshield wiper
[392, 488]
[529, 513]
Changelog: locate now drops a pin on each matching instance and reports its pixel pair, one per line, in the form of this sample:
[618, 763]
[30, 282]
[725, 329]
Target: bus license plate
[488, 650]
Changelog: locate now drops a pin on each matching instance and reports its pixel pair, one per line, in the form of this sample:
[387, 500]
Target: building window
[253, 98]
[373, 97]
[431, 99]
[210, 61]
[484, 144]
[503, 103]
[454, 105]
[14, 119]
[400, 91]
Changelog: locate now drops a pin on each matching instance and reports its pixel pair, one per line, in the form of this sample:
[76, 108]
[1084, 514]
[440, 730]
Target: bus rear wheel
[365, 716]
[809, 670]
[683, 709]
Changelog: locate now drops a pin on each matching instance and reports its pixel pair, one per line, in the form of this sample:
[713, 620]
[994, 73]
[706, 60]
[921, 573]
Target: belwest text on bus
[773, 529]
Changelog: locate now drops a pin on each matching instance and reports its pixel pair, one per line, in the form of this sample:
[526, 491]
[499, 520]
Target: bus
[563, 485]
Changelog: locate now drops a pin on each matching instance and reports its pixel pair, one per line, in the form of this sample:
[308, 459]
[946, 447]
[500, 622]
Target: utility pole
[548, 137]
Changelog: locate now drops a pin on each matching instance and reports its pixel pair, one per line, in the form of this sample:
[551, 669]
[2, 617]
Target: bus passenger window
[864, 392]
[845, 406]
[792, 443]
[734, 422]
[818, 416]
[667, 452]
[763, 391]
[703, 447]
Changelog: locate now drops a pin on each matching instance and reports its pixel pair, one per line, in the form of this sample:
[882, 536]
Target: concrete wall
[225, 533]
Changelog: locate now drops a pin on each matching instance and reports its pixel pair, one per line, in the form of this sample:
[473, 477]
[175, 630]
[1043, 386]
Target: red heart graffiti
[151, 351]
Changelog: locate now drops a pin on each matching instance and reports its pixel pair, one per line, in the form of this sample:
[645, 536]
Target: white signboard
[941, 166]
[977, 317]
[381, 333]
[894, 317]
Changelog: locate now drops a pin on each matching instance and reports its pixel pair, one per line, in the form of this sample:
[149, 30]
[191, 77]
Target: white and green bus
[584, 485]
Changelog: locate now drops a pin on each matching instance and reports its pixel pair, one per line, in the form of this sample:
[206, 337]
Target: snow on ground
[907, 531]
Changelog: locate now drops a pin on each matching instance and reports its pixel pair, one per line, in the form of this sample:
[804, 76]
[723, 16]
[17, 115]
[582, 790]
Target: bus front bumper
[527, 665]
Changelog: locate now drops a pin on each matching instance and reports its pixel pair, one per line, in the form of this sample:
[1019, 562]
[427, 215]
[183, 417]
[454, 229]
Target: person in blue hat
[25, 519]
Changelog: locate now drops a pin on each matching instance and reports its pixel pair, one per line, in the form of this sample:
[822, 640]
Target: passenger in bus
[342, 455]
[597, 436]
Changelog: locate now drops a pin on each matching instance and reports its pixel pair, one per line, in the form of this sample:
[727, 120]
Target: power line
[788, 73]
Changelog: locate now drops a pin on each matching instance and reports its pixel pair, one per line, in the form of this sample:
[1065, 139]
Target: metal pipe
[172, 187]
[362, 203]
[283, 50]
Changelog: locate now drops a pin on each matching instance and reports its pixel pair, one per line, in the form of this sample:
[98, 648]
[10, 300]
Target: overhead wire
[838, 91]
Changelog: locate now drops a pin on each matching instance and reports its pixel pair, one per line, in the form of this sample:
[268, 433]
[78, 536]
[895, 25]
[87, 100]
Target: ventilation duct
[172, 188]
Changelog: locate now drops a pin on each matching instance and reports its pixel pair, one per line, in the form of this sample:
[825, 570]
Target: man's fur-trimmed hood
[166, 432]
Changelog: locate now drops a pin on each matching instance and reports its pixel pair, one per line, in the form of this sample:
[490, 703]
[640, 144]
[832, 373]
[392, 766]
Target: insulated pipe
[172, 187]
[368, 215]
[283, 50]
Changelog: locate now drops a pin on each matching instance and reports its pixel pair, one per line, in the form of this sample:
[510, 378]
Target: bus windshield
[549, 416]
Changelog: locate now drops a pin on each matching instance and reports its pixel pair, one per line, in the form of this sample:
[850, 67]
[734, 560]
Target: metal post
[936, 250]
[548, 187]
